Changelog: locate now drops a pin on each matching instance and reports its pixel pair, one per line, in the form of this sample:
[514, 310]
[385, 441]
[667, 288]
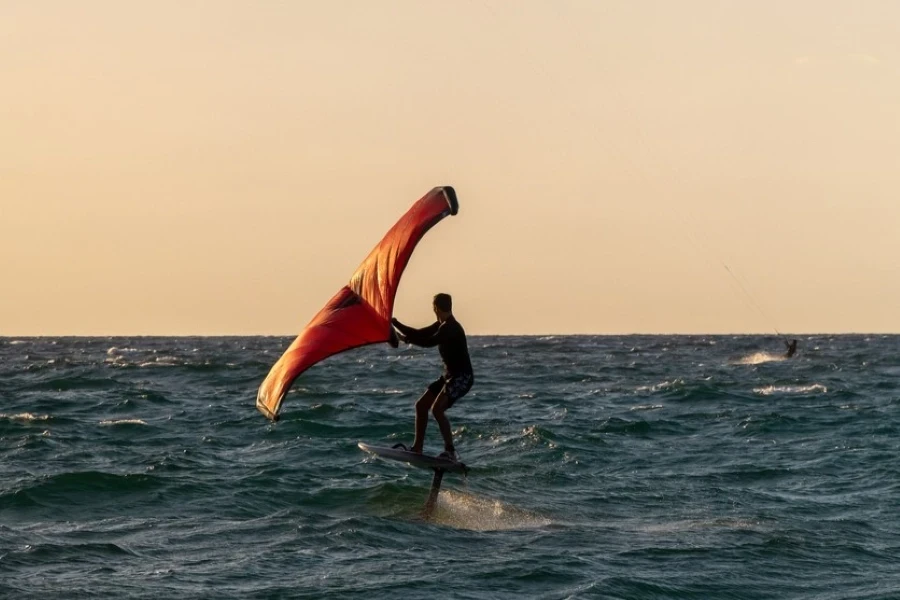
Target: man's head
[443, 305]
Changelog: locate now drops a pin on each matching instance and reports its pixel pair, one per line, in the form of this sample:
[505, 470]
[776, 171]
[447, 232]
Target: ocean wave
[26, 417]
[52, 552]
[113, 350]
[768, 390]
[641, 407]
[163, 361]
[684, 390]
[658, 387]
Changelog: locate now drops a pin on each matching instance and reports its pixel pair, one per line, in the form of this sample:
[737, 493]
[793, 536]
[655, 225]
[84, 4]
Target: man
[791, 348]
[450, 338]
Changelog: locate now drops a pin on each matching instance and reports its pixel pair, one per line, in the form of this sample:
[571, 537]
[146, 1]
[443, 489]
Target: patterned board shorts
[455, 387]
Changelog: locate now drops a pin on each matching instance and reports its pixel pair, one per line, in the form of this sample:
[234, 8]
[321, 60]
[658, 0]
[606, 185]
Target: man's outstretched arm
[431, 336]
[413, 335]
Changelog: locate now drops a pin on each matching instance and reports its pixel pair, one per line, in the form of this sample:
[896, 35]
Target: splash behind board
[423, 461]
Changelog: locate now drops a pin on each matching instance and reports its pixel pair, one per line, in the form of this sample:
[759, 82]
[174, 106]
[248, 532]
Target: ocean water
[625, 467]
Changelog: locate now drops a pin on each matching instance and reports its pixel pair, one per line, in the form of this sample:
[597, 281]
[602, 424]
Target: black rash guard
[449, 337]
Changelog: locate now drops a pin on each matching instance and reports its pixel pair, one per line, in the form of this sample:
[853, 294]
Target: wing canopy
[360, 313]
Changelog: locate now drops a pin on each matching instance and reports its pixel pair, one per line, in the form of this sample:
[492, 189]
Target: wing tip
[274, 417]
[266, 411]
[450, 195]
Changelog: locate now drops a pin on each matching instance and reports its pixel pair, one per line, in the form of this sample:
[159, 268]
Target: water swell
[86, 487]
[72, 383]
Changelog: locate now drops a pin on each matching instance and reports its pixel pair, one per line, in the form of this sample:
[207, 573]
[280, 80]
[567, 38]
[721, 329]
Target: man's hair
[443, 302]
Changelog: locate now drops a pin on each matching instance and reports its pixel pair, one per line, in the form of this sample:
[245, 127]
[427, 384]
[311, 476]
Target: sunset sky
[218, 168]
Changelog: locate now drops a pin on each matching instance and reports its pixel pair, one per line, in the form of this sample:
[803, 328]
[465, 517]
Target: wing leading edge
[360, 313]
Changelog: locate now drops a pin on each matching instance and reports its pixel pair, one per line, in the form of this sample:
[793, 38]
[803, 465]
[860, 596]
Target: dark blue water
[602, 467]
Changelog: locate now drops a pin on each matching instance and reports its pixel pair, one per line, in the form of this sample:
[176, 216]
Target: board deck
[423, 461]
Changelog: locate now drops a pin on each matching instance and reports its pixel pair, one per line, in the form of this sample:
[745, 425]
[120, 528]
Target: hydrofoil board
[423, 461]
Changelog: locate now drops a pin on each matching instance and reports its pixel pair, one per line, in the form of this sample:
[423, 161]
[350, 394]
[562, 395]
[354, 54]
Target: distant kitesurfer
[450, 338]
[791, 348]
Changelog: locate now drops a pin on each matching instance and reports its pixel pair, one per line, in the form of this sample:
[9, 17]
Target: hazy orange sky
[179, 168]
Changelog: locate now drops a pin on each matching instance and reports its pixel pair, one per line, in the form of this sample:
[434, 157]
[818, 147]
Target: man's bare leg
[423, 405]
[438, 408]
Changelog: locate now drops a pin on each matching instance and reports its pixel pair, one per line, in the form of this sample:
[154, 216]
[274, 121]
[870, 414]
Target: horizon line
[471, 335]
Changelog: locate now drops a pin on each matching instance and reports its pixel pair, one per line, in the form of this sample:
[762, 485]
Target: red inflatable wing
[360, 313]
